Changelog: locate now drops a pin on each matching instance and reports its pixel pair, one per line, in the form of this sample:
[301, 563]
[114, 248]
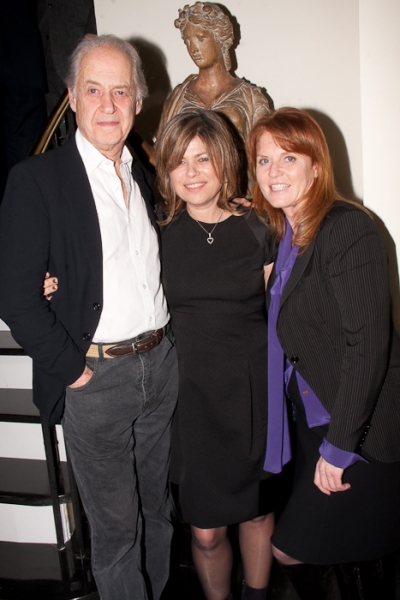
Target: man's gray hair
[106, 41]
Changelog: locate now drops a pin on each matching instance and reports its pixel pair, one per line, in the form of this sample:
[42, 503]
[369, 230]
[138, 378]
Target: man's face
[105, 101]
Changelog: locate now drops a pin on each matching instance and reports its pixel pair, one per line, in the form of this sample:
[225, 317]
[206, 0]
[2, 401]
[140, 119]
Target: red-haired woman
[333, 352]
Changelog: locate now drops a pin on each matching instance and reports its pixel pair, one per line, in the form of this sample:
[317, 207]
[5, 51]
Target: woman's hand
[328, 478]
[50, 285]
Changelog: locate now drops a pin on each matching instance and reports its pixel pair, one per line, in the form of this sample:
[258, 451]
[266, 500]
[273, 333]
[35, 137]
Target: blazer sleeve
[24, 260]
[357, 277]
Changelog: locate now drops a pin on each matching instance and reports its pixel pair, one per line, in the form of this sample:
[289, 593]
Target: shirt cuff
[337, 457]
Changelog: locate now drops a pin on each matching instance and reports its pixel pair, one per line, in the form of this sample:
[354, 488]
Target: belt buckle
[140, 338]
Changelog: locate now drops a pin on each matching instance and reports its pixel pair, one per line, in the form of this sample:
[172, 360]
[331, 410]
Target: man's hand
[328, 478]
[242, 202]
[83, 379]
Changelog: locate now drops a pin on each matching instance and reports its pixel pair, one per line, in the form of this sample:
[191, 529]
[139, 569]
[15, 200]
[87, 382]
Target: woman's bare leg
[284, 559]
[212, 556]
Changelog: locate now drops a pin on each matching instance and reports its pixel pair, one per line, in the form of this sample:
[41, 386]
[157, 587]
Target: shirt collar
[93, 158]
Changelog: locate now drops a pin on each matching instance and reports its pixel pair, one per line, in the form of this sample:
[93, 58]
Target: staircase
[43, 533]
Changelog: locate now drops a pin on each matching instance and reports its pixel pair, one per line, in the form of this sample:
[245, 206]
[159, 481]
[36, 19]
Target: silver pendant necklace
[210, 238]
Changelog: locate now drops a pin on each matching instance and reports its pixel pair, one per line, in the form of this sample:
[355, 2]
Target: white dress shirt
[133, 298]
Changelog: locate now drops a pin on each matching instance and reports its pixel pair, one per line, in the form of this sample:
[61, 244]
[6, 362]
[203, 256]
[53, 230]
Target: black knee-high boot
[368, 580]
[313, 582]
[249, 593]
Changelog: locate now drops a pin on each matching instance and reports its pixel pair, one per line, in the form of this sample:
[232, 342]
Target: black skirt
[216, 297]
[360, 524]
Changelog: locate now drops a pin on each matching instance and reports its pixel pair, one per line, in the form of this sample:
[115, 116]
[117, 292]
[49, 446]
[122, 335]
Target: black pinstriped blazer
[335, 326]
[49, 222]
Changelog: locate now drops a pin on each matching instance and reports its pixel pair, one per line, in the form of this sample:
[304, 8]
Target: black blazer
[335, 326]
[48, 222]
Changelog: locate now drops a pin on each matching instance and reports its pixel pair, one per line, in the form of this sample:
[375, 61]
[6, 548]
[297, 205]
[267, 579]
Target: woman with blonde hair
[213, 260]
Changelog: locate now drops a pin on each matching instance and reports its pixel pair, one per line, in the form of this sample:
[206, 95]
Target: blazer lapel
[77, 192]
[143, 179]
[298, 269]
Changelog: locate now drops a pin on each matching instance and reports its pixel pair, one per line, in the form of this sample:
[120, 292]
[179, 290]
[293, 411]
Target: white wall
[380, 107]
[340, 58]
[304, 53]
[380, 111]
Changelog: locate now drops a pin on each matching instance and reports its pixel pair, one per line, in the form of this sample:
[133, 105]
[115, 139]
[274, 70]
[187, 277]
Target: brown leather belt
[141, 344]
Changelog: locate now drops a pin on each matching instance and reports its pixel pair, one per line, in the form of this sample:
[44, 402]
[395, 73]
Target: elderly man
[103, 356]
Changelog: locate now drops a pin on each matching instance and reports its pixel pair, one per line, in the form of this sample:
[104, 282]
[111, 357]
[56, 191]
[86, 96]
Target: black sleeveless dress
[216, 298]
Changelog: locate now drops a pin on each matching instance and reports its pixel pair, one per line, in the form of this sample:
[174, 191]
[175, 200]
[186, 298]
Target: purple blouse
[278, 451]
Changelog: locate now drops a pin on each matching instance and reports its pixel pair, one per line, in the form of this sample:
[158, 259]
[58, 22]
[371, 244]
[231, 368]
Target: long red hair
[295, 130]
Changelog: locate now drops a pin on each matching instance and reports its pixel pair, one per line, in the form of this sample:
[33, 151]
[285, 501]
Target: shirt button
[87, 336]
[136, 252]
[144, 287]
[294, 360]
[96, 306]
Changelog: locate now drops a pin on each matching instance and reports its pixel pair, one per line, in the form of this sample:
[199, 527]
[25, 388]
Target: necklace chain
[210, 239]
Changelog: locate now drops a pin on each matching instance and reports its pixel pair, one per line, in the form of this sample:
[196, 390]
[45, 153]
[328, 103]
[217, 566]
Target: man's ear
[72, 99]
[138, 106]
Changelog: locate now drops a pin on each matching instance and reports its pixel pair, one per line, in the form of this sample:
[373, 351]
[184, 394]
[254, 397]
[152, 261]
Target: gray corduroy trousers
[117, 432]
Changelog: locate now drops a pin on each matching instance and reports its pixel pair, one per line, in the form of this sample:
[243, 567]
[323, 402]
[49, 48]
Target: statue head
[209, 17]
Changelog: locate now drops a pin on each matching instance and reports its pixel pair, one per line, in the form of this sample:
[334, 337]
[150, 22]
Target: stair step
[16, 406]
[25, 481]
[41, 572]
[9, 346]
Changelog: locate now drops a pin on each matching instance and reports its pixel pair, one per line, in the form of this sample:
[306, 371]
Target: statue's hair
[91, 42]
[209, 16]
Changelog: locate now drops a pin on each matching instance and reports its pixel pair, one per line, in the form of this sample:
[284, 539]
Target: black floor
[40, 572]
[185, 585]
[378, 582]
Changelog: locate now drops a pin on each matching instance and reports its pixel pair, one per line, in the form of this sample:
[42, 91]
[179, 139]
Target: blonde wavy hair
[219, 142]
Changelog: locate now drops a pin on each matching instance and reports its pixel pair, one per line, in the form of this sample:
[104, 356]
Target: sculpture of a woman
[208, 35]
